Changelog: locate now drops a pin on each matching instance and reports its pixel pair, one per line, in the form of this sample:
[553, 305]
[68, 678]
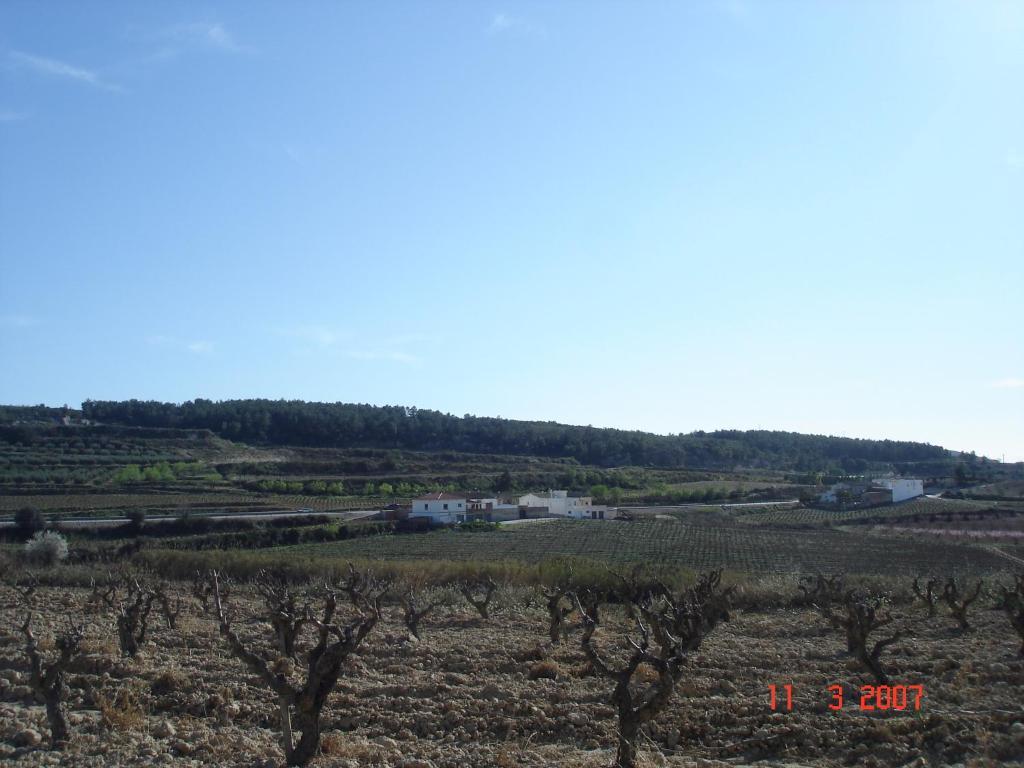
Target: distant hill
[348, 425]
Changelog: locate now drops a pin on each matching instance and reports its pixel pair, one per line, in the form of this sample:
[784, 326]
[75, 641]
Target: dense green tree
[960, 474]
[158, 473]
[136, 520]
[504, 482]
[129, 474]
[29, 520]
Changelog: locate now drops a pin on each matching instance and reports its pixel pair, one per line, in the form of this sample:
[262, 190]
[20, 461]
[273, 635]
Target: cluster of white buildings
[461, 508]
[456, 508]
[562, 504]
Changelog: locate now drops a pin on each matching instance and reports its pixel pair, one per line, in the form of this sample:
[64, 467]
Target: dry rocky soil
[494, 693]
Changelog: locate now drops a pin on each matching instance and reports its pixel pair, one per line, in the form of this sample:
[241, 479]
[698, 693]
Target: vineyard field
[466, 695]
[743, 549]
[922, 510]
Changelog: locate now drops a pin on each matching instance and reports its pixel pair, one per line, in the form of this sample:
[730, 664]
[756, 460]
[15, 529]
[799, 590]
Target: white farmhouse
[440, 507]
[561, 504]
[883, 490]
[902, 488]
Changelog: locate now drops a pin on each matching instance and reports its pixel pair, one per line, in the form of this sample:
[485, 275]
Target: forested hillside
[343, 425]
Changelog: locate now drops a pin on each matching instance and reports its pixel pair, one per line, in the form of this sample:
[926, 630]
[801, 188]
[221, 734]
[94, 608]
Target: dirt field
[490, 693]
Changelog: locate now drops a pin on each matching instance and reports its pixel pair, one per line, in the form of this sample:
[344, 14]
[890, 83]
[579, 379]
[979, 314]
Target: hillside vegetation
[350, 425]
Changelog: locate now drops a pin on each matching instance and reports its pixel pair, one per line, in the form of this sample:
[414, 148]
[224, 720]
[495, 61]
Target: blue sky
[664, 216]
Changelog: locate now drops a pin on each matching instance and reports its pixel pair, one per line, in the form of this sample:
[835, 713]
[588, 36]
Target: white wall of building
[439, 510]
[533, 500]
[902, 488]
[560, 504]
[579, 507]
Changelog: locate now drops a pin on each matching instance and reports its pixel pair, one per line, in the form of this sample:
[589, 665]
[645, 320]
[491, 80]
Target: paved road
[107, 522]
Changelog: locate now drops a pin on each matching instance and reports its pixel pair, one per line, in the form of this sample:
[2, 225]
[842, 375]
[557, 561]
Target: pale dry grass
[122, 711]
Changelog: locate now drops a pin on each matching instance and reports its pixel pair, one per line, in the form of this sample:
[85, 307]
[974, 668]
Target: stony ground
[491, 693]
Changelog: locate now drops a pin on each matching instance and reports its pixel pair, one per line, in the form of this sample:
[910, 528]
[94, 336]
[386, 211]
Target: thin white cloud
[737, 10]
[294, 154]
[61, 69]
[503, 23]
[198, 347]
[10, 116]
[318, 335]
[18, 321]
[208, 34]
[407, 338]
[500, 23]
[324, 339]
[1009, 384]
[394, 356]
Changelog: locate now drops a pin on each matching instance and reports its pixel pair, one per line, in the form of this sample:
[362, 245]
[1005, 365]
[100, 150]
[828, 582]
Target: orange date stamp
[873, 698]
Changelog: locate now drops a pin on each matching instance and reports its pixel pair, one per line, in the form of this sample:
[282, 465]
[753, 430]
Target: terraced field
[922, 510]
[738, 548]
[90, 504]
[56, 458]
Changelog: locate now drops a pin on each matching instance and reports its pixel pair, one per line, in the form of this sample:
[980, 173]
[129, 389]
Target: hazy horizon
[667, 217]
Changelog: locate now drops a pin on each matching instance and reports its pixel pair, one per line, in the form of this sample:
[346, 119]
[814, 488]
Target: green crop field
[748, 549]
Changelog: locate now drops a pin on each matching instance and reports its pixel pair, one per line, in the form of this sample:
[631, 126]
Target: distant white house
[440, 507]
[562, 504]
[902, 488]
[881, 490]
